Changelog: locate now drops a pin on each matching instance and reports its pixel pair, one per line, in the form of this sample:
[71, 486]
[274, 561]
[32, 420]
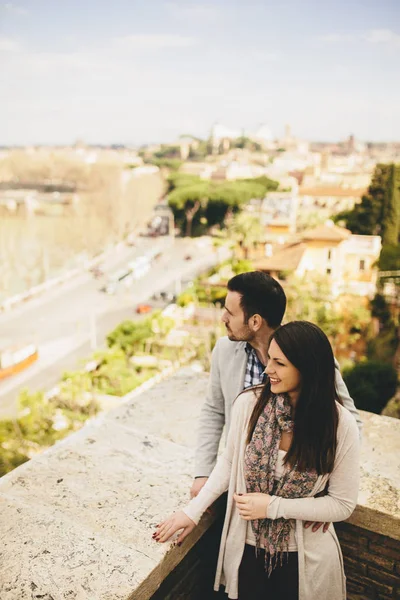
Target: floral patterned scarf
[259, 465]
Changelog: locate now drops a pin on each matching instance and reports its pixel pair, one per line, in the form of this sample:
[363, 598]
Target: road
[68, 323]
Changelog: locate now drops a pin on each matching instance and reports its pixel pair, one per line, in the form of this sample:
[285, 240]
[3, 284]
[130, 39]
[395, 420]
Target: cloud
[372, 36]
[9, 45]
[154, 41]
[115, 59]
[338, 37]
[14, 9]
[192, 11]
[382, 36]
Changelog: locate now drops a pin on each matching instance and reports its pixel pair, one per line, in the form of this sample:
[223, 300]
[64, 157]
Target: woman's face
[283, 376]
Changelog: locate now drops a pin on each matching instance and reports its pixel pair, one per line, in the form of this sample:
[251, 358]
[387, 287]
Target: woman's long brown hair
[316, 416]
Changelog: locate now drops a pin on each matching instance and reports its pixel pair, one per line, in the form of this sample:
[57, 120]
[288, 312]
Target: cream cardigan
[321, 574]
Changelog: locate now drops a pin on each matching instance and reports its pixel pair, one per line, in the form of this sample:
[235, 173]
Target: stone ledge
[378, 508]
[77, 520]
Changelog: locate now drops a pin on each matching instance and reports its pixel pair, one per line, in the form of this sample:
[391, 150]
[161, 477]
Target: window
[362, 265]
[329, 254]
[328, 271]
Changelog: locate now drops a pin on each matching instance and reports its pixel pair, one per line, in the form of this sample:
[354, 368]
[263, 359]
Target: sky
[135, 72]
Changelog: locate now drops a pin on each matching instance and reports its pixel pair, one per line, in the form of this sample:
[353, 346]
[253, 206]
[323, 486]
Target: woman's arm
[186, 519]
[218, 481]
[341, 499]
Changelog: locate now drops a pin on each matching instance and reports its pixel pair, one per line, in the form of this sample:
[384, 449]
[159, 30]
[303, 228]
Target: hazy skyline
[135, 72]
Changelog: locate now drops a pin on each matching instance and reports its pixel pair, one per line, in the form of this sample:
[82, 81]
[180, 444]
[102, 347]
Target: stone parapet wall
[76, 521]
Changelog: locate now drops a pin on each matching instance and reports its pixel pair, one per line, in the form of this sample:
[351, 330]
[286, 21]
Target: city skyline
[133, 74]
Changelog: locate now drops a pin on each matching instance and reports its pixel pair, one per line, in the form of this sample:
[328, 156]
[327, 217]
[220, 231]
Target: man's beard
[244, 335]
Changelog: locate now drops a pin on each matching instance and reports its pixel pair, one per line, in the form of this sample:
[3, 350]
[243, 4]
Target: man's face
[234, 320]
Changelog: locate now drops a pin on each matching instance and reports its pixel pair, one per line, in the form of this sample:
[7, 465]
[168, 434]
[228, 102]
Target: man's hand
[197, 485]
[252, 506]
[316, 526]
[173, 524]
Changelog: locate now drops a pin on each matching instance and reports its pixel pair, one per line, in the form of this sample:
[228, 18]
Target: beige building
[333, 198]
[347, 259]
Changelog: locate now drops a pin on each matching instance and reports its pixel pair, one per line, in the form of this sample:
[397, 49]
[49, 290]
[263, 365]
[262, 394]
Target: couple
[291, 458]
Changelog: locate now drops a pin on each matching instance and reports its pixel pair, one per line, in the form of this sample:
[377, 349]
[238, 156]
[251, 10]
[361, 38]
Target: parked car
[143, 308]
[165, 296]
[115, 279]
[168, 296]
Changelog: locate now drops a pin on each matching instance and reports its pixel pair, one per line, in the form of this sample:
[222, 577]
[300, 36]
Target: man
[254, 308]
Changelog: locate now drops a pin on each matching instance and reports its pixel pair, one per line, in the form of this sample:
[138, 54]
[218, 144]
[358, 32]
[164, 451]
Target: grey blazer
[228, 367]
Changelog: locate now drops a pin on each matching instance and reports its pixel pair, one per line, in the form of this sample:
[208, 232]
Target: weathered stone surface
[379, 498]
[76, 522]
[43, 552]
[168, 410]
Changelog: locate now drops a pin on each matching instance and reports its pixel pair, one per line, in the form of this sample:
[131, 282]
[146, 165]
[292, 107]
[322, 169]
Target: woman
[292, 455]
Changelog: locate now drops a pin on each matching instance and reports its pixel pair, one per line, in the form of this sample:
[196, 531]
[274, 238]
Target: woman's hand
[252, 506]
[173, 524]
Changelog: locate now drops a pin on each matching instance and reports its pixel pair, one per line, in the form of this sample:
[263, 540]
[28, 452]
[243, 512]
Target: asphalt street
[69, 322]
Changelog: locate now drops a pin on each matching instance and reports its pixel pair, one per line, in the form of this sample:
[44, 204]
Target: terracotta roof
[332, 191]
[331, 233]
[286, 259]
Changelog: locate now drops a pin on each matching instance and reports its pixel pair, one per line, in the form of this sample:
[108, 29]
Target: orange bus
[16, 359]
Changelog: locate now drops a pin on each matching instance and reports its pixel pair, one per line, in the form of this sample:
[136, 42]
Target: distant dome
[220, 132]
[264, 133]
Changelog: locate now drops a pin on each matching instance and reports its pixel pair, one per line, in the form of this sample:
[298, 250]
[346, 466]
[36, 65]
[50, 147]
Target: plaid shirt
[254, 368]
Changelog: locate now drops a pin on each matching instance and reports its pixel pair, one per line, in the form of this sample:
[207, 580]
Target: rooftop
[332, 191]
[326, 232]
[286, 259]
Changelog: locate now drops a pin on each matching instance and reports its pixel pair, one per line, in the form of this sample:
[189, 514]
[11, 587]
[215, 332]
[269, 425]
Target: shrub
[371, 384]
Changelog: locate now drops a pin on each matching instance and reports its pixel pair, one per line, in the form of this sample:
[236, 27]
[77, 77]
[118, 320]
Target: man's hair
[260, 295]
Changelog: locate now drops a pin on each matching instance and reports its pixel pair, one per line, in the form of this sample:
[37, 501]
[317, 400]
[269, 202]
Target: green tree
[130, 336]
[199, 153]
[173, 164]
[244, 142]
[379, 210]
[380, 309]
[391, 209]
[389, 259]
[371, 384]
[383, 346]
[41, 422]
[270, 185]
[177, 180]
[195, 200]
[168, 152]
[248, 231]
[309, 299]
[186, 201]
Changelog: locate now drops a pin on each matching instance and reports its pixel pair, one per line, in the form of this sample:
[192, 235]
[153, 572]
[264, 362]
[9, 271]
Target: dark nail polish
[240, 494]
[179, 544]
